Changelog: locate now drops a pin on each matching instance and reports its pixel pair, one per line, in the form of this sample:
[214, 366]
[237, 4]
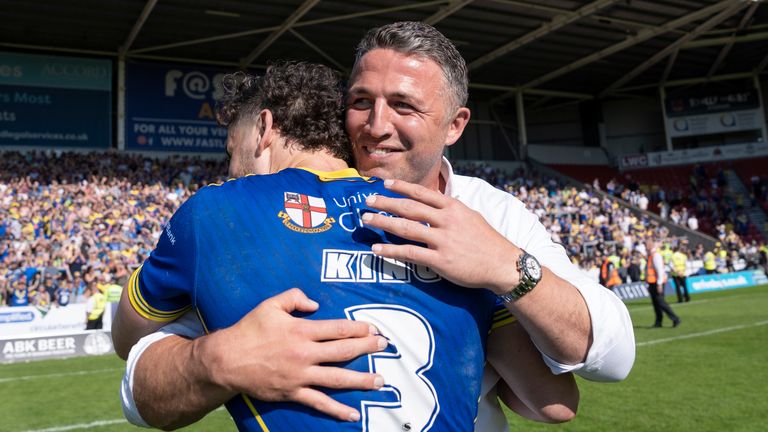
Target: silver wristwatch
[530, 275]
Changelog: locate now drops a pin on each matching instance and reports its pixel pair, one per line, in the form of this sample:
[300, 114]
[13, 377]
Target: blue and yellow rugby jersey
[234, 245]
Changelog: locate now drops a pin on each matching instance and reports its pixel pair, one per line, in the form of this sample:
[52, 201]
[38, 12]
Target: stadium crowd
[73, 220]
[700, 202]
[595, 228]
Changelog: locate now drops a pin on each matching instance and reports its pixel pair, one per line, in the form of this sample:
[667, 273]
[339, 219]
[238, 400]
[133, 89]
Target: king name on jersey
[363, 266]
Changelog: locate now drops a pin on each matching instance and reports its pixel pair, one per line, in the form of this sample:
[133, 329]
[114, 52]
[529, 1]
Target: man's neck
[318, 161]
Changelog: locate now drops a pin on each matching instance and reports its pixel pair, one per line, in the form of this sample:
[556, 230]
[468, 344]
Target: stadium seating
[689, 186]
[84, 217]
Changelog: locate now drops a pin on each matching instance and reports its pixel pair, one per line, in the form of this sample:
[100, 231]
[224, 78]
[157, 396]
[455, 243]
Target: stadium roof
[549, 48]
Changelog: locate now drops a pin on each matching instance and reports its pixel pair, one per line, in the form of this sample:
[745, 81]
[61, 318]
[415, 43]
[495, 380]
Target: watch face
[532, 267]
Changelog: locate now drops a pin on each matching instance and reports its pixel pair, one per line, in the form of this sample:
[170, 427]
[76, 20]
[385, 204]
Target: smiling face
[399, 117]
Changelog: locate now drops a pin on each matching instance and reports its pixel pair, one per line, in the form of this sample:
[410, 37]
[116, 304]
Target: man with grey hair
[405, 105]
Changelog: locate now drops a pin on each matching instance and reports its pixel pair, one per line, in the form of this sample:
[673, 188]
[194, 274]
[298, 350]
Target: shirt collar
[446, 172]
[335, 175]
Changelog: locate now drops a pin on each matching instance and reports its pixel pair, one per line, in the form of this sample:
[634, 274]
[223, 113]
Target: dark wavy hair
[306, 101]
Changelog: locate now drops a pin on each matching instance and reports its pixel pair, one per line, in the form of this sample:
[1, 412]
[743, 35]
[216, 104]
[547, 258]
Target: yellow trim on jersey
[227, 180]
[202, 321]
[501, 318]
[256, 414]
[336, 175]
[341, 174]
[143, 308]
[248, 402]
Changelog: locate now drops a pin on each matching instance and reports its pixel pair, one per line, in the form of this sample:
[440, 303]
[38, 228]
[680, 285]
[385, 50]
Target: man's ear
[457, 125]
[266, 132]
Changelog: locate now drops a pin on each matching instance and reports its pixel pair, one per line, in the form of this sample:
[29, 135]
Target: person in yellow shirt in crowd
[679, 263]
[94, 308]
[763, 257]
[721, 258]
[710, 265]
[666, 253]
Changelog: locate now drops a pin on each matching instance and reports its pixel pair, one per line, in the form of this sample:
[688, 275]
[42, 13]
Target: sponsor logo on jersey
[363, 266]
[305, 214]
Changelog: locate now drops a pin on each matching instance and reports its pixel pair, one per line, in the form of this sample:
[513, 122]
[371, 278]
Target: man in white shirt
[656, 277]
[406, 104]
[693, 222]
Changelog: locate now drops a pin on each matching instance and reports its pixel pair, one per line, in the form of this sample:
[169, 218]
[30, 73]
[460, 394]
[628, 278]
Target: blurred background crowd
[74, 221]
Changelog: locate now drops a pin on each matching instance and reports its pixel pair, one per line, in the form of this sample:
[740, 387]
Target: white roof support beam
[670, 65]
[673, 47]
[452, 7]
[504, 134]
[557, 10]
[275, 35]
[750, 37]
[761, 67]
[689, 81]
[137, 27]
[322, 53]
[554, 24]
[56, 49]
[297, 25]
[641, 36]
[538, 92]
[727, 47]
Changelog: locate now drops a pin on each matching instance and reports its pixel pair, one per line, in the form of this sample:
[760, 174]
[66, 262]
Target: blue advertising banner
[170, 108]
[725, 281]
[639, 290]
[55, 101]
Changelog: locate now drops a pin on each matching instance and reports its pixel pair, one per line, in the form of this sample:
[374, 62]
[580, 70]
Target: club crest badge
[305, 214]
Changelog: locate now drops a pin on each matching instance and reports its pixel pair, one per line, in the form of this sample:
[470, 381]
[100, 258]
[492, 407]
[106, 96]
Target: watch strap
[525, 286]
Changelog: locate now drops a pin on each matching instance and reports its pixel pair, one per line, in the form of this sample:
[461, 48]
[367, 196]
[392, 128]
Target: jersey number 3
[403, 364]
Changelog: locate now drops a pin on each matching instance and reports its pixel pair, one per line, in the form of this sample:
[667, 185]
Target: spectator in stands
[94, 308]
[679, 266]
[609, 271]
[642, 202]
[63, 218]
[64, 294]
[693, 222]
[18, 294]
[698, 253]
[634, 271]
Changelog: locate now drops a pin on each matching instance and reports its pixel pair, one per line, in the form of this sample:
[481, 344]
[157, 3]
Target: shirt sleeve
[612, 353]
[658, 264]
[188, 325]
[161, 289]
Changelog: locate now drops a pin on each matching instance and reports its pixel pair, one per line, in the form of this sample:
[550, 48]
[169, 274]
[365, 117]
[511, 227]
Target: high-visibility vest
[650, 271]
[709, 261]
[666, 254]
[100, 302]
[113, 293]
[609, 278]
[678, 263]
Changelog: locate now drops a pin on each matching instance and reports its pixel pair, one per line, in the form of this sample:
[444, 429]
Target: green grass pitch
[709, 374]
